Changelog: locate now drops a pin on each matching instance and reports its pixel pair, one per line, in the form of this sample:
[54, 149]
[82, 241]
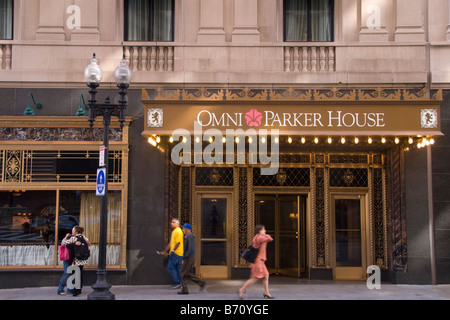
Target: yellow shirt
[177, 237]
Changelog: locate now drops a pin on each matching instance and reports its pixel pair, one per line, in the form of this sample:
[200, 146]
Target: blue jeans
[64, 277]
[174, 268]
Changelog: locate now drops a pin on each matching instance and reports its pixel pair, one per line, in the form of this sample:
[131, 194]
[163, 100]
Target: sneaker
[177, 286]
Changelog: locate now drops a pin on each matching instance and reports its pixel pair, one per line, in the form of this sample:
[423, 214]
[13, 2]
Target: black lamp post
[93, 75]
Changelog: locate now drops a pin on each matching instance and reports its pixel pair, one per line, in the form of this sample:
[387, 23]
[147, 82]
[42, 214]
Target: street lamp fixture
[93, 75]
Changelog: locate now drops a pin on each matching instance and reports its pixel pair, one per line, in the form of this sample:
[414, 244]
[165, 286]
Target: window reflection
[213, 243]
[348, 233]
[29, 233]
[214, 213]
[27, 217]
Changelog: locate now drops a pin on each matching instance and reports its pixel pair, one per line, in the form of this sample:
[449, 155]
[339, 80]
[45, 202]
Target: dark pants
[77, 292]
[186, 273]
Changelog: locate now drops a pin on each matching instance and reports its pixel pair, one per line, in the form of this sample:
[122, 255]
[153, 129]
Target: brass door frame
[302, 229]
[213, 272]
[351, 273]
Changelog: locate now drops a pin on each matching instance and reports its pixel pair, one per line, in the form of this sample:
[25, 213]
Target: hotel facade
[326, 121]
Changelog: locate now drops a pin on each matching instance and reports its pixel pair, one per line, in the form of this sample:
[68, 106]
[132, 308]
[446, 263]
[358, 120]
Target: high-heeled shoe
[268, 297]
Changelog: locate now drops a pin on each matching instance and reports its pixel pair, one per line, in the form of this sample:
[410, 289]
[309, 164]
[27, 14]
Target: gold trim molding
[290, 95]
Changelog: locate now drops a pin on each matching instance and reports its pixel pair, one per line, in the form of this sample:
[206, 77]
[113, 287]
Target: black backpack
[82, 251]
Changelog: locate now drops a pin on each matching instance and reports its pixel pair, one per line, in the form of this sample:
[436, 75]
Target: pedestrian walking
[188, 261]
[175, 249]
[63, 280]
[72, 241]
[258, 269]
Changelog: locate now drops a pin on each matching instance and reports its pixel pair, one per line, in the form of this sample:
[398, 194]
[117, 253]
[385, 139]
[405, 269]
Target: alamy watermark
[374, 280]
[223, 148]
[374, 19]
[74, 280]
[74, 20]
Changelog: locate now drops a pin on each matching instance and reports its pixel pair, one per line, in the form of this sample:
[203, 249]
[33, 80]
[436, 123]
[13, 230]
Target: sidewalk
[282, 288]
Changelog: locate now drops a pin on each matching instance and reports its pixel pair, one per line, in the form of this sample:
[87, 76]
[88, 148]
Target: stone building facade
[350, 96]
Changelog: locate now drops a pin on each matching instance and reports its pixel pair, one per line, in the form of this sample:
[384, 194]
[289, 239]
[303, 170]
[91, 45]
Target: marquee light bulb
[152, 141]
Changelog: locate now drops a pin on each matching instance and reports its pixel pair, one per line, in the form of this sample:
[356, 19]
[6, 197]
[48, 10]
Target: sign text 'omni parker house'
[248, 117]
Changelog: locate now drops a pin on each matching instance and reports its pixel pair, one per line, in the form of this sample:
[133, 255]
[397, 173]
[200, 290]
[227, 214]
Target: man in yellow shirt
[175, 249]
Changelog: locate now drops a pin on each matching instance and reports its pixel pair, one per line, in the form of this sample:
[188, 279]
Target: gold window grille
[58, 166]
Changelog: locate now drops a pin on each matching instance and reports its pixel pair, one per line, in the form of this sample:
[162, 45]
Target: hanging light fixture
[81, 112]
[29, 111]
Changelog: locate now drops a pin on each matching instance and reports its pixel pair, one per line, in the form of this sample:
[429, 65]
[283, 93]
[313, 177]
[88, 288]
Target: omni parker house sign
[376, 112]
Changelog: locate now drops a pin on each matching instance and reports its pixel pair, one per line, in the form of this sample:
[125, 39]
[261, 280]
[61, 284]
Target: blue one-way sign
[101, 180]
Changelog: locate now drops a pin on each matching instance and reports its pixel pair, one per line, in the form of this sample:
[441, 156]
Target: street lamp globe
[93, 73]
[123, 73]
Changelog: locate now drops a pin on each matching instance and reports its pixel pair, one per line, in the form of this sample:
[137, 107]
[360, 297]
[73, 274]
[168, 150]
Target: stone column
[88, 15]
[51, 20]
[410, 21]
[245, 27]
[211, 21]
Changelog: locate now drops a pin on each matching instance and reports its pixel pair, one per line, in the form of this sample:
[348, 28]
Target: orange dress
[258, 269]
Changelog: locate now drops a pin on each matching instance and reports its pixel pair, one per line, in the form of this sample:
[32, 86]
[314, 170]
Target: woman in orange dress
[258, 268]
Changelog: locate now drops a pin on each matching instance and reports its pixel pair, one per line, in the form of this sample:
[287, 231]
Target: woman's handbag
[250, 254]
[63, 253]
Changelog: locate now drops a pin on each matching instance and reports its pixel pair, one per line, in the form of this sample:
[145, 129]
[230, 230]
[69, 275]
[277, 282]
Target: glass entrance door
[214, 244]
[349, 236]
[284, 219]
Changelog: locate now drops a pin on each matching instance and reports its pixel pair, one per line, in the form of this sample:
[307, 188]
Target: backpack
[82, 251]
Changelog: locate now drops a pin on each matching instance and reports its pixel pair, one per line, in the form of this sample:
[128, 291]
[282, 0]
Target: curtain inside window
[138, 20]
[90, 216]
[321, 20]
[296, 20]
[308, 20]
[149, 20]
[162, 20]
[6, 19]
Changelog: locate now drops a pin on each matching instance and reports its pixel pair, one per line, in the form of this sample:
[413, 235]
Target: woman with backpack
[79, 245]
